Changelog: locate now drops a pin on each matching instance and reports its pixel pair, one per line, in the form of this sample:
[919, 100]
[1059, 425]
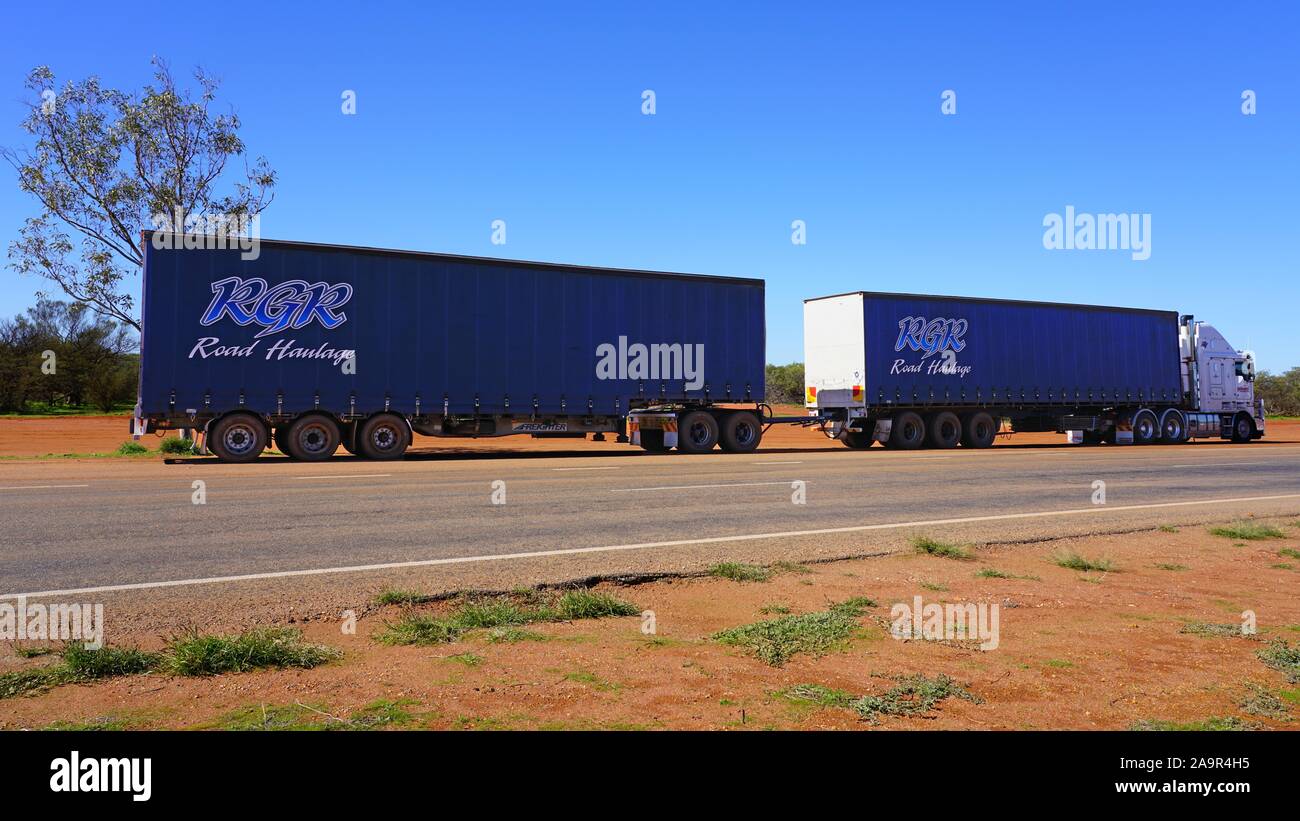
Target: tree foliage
[107, 164]
[64, 355]
[785, 384]
[1281, 393]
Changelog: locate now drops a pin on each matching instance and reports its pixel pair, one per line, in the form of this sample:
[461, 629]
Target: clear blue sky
[765, 114]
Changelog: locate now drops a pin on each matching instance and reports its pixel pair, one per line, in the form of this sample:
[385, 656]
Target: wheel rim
[314, 439]
[909, 431]
[384, 438]
[949, 431]
[1243, 429]
[239, 439]
[699, 433]
[744, 433]
[1145, 428]
[1173, 429]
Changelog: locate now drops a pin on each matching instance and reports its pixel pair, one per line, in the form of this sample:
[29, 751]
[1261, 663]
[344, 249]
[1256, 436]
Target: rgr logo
[77, 774]
[931, 335]
[288, 305]
[655, 361]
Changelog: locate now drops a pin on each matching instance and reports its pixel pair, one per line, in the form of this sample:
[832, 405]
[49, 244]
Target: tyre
[978, 430]
[384, 436]
[1146, 428]
[279, 437]
[908, 432]
[740, 432]
[237, 437]
[653, 441]
[697, 432]
[1243, 429]
[943, 430]
[1173, 427]
[313, 438]
[857, 439]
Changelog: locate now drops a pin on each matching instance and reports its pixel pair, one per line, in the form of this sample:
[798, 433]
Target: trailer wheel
[313, 437]
[384, 436]
[979, 430]
[1146, 428]
[653, 441]
[1173, 427]
[857, 439]
[237, 437]
[697, 432]
[944, 430]
[741, 432]
[1243, 429]
[908, 431]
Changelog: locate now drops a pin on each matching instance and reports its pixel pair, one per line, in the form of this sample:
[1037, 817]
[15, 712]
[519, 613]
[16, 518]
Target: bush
[176, 446]
[785, 384]
[131, 449]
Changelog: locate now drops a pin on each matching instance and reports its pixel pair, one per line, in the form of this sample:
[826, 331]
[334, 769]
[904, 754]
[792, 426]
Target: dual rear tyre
[701, 432]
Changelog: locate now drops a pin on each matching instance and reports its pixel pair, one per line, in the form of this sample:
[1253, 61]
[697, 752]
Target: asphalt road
[88, 525]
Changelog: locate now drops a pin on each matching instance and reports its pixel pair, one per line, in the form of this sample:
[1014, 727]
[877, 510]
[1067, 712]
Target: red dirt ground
[1077, 650]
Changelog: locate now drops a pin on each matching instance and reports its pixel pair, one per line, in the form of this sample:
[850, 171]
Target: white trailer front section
[834, 345]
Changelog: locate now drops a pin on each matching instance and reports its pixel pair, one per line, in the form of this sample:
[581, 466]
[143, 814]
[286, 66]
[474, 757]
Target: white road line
[39, 487]
[693, 487]
[611, 467]
[347, 476]
[797, 462]
[575, 551]
[1222, 464]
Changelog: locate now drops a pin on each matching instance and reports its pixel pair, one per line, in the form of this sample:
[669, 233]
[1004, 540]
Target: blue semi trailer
[315, 347]
[927, 371]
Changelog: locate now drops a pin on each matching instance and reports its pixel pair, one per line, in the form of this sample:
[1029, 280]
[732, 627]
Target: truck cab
[1219, 381]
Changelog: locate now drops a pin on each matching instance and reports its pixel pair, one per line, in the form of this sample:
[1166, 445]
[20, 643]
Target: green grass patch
[315, 717]
[1258, 701]
[916, 695]
[1213, 630]
[791, 567]
[776, 641]
[933, 547]
[591, 680]
[773, 610]
[934, 586]
[196, 654]
[1281, 656]
[817, 694]
[131, 448]
[1247, 531]
[737, 572]
[1211, 724]
[513, 635]
[1173, 567]
[85, 664]
[1060, 664]
[492, 612]
[401, 597]
[1073, 561]
[1282, 566]
[1290, 553]
[176, 446]
[1168, 529]
[32, 652]
[467, 659]
[993, 573]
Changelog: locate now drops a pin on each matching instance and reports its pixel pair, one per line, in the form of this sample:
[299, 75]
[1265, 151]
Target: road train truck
[314, 347]
[928, 371]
